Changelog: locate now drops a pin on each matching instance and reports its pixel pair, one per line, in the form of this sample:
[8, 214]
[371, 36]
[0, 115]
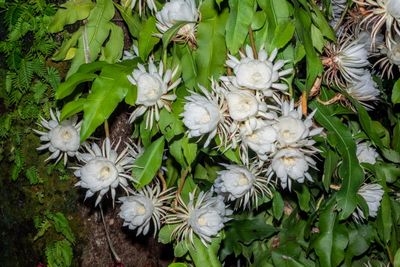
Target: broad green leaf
[131, 21]
[183, 151]
[324, 242]
[277, 205]
[384, 219]
[330, 164]
[188, 65]
[181, 249]
[69, 13]
[304, 197]
[340, 242]
[350, 171]
[303, 30]
[170, 125]
[283, 34]
[108, 89]
[205, 255]
[259, 20]
[148, 164]
[317, 38]
[396, 262]
[66, 88]
[387, 171]
[165, 233]
[146, 39]
[239, 19]
[211, 45]
[285, 260]
[396, 93]
[72, 108]
[66, 45]
[112, 51]
[95, 33]
[322, 24]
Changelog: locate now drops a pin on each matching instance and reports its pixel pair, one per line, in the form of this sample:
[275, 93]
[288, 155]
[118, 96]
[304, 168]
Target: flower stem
[252, 43]
[163, 182]
[116, 257]
[106, 129]
[180, 186]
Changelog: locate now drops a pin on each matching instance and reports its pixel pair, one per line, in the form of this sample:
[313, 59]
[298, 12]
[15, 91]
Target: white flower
[204, 114]
[391, 57]
[132, 53]
[372, 194]
[261, 140]
[291, 164]
[152, 91]
[241, 184]
[104, 169]
[364, 89]
[366, 154]
[148, 205]
[62, 138]
[204, 216]
[177, 11]
[348, 57]
[257, 74]
[132, 3]
[292, 129]
[242, 105]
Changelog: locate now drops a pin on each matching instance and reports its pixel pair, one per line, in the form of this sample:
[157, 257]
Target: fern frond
[25, 73]
[38, 90]
[59, 254]
[42, 228]
[32, 175]
[53, 77]
[38, 67]
[14, 12]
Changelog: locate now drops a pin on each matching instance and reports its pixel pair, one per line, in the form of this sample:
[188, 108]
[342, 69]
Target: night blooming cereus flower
[104, 169]
[241, 184]
[372, 194]
[364, 90]
[62, 137]
[132, 3]
[176, 11]
[152, 91]
[146, 206]
[204, 114]
[366, 154]
[257, 73]
[204, 216]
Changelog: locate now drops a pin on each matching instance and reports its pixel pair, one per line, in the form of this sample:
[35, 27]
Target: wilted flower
[364, 89]
[348, 57]
[257, 73]
[104, 169]
[391, 57]
[204, 216]
[372, 194]
[62, 137]
[144, 206]
[366, 153]
[176, 11]
[240, 184]
[152, 91]
[291, 164]
[204, 114]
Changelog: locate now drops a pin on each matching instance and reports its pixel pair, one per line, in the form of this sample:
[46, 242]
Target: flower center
[141, 210]
[202, 221]
[256, 76]
[242, 180]
[205, 118]
[67, 135]
[104, 173]
[289, 161]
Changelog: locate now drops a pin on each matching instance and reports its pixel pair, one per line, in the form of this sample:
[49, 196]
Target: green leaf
[239, 19]
[211, 45]
[148, 164]
[67, 44]
[384, 219]
[350, 171]
[108, 89]
[205, 256]
[283, 34]
[132, 22]
[177, 264]
[59, 254]
[330, 164]
[69, 13]
[324, 242]
[94, 35]
[317, 38]
[71, 108]
[181, 249]
[146, 39]
[165, 234]
[285, 260]
[170, 125]
[183, 151]
[68, 87]
[277, 205]
[396, 262]
[304, 196]
[112, 51]
[396, 93]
